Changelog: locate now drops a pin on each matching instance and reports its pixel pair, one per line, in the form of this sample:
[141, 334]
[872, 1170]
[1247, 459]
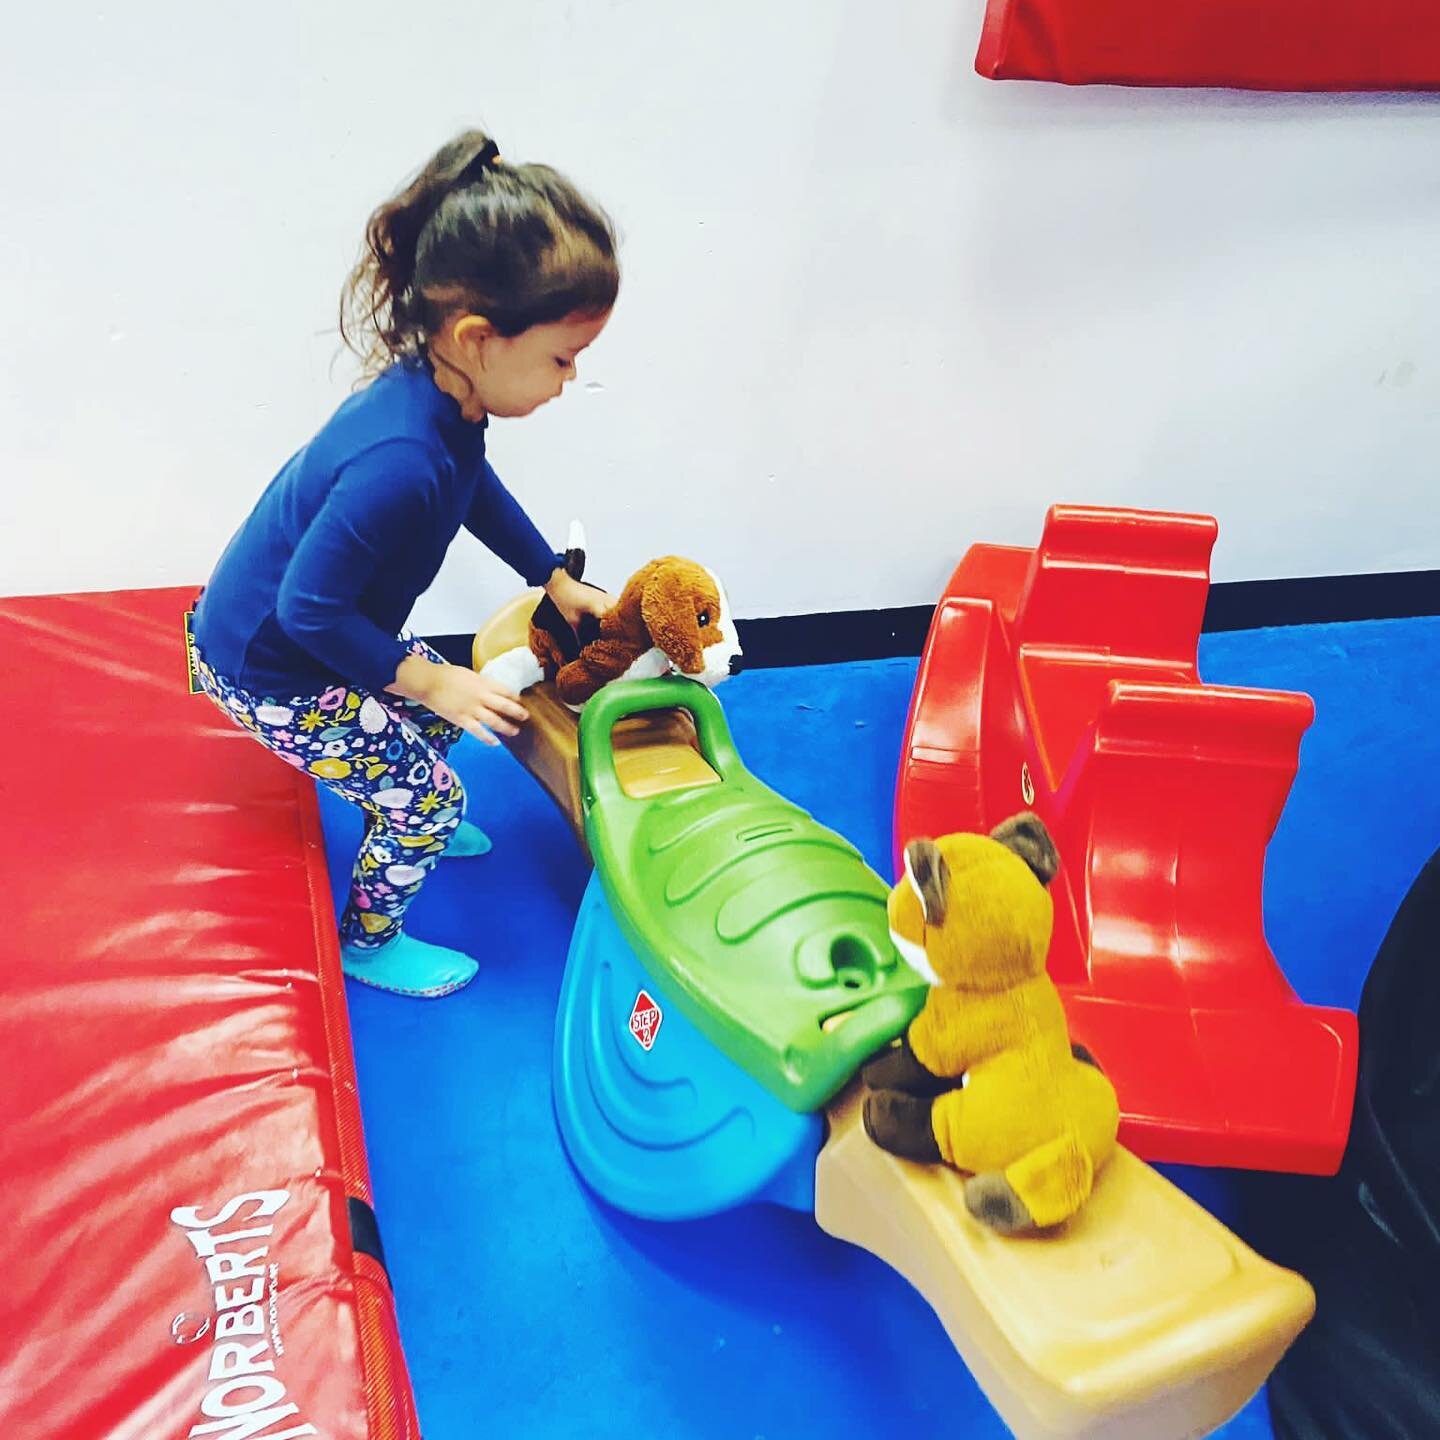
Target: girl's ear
[471, 331]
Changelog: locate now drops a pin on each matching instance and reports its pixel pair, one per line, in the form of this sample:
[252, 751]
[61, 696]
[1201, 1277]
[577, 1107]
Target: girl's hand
[574, 599]
[474, 702]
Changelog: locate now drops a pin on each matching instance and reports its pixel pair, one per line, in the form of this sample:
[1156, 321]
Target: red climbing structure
[1252, 44]
[1064, 679]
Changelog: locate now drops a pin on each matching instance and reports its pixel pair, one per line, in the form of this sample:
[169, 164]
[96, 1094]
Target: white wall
[875, 308]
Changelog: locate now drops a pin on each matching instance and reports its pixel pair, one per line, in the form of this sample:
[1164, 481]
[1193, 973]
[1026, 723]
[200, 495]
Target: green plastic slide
[769, 929]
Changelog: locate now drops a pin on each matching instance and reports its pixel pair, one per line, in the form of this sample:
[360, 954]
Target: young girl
[479, 285]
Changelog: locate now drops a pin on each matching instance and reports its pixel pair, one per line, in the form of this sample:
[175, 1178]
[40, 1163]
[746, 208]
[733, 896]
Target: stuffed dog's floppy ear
[667, 606]
[1027, 836]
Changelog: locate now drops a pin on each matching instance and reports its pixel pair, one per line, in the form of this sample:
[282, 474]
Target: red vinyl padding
[178, 1119]
[1247, 44]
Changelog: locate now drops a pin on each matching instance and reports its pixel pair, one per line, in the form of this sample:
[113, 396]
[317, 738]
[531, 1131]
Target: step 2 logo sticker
[645, 1018]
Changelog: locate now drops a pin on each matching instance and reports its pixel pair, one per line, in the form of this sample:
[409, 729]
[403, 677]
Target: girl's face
[512, 376]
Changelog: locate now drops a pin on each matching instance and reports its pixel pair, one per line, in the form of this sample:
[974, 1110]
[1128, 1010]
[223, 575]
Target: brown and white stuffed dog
[672, 617]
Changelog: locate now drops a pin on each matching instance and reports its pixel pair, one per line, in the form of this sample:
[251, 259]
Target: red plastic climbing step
[1064, 679]
[1252, 44]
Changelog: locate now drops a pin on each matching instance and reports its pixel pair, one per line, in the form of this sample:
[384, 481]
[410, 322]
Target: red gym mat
[1063, 679]
[1246, 44]
[188, 1248]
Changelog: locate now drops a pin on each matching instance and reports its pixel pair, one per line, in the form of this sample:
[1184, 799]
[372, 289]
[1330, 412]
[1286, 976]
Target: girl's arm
[498, 521]
[474, 702]
[378, 496]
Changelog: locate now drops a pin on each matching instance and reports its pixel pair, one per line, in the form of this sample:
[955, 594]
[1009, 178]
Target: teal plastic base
[674, 1131]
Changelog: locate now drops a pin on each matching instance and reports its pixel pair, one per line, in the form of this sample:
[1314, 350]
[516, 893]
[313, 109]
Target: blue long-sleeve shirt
[320, 579]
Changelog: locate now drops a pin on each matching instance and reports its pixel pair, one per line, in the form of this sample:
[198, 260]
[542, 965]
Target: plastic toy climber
[1064, 679]
[730, 970]
[759, 939]
[769, 929]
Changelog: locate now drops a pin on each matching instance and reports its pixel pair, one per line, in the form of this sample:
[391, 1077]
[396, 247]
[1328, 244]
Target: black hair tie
[485, 160]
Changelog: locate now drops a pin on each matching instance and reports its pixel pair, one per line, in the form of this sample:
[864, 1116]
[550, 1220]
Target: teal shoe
[468, 840]
[408, 966]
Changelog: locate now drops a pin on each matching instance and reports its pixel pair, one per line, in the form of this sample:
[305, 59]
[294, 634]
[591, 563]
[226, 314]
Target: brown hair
[517, 244]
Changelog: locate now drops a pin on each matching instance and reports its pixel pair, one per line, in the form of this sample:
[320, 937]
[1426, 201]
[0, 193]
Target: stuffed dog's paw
[516, 669]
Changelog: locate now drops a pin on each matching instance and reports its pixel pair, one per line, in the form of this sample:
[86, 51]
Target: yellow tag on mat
[192, 661]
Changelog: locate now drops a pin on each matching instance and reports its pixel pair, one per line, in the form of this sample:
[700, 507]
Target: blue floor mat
[529, 1309]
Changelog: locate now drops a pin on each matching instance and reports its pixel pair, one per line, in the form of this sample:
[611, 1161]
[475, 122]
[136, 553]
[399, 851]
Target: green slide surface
[765, 924]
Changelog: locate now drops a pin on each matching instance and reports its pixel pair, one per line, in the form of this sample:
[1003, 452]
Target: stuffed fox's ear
[928, 874]
[667, 605]
[1027, 836]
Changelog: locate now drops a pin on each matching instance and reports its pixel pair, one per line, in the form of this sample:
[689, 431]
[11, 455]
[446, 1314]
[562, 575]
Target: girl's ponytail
[517, 244]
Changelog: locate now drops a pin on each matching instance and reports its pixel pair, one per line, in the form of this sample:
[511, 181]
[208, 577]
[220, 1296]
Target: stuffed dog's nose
[737, 664]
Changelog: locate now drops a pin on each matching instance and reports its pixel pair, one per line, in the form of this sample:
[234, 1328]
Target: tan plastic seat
[653, 752]
[1143, 1319]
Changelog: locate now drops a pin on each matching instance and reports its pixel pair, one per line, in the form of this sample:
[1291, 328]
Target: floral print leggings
[388, 757]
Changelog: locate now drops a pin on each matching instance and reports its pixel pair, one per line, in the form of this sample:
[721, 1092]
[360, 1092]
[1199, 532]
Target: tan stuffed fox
[985, 1078]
